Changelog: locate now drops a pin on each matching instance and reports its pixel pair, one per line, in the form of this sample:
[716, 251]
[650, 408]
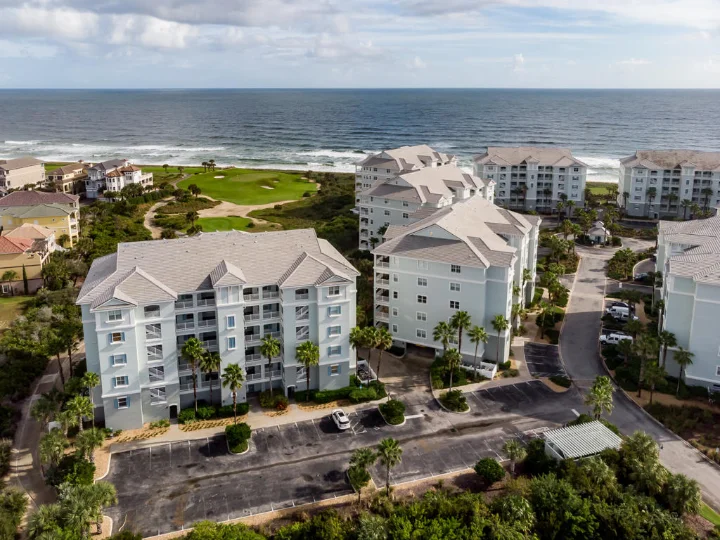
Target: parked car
[341, 420]
[642, 276]
[620, 313]
[619, 304]
[614, 338]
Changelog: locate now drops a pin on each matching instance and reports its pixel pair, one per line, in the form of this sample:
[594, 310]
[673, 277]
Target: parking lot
[543, 360]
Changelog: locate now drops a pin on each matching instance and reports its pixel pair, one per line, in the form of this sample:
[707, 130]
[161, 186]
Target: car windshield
[343, 419]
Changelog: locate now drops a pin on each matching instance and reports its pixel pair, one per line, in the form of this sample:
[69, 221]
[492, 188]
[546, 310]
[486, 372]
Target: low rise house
[69, 178]
[467, 257]
[689, 258]
[21, 172]
[229, 290]
[58, 212]
[34, 232]
[598, 233]
[113, 175]
[22, 257]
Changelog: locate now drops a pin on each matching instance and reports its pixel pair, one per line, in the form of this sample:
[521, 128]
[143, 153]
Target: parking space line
[316, 429]
[575, 412]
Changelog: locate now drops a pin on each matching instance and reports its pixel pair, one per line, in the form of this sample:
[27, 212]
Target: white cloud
[62, 23]
[417, 63]
[11, 49]
[518, 63]
[327, 47]
[150, 32]
[634, 62]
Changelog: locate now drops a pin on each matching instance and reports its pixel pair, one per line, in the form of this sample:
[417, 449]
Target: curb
[437, 400]
[107, 470]
[227, 444]
[388, 423]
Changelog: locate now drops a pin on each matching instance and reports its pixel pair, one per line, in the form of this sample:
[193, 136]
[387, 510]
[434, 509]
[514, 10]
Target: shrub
[553, 335]
[237, 437]
[454, 400]
[281, 402]
[277, 207]
[73, 469]
[510, 373]
[616, 241]
[276, 401]
[250, 225]
[537, 461]
[326, 396]
[205, 413]
[359, 477]
[393, 411]
[489, 470]
[306, 194]
[5, 454]
[504, 366]
[360, 395]
[162, 423]
[537, 296]
[126, 535]
[186, 416]
[561, 380]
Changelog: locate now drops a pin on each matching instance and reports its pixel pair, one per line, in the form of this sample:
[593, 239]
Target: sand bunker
[267, 187]
[221, 176]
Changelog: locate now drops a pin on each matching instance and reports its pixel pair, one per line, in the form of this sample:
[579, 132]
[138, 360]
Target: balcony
[157, 396]
[206, 302]
[382, 281]
[251, 297]
[207, 323]
[152, 314]
[271, 315]
[183, 366]
[253, 359]
[156, 374]
[153, 335]
[254, 376]
[382, 316]
[303, 296]
[382, 264]
[277, 334]
[252, 338]
[252, 317]
[188, 325]
[364, 234]
[271, 294]
[209, 344]
[382, 299]
[184, 387]
[183, 304]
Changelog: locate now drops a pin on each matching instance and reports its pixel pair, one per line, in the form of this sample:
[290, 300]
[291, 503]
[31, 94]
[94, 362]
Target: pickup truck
[613, 339]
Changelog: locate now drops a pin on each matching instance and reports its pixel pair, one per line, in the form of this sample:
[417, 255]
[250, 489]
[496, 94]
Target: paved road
[579, 349]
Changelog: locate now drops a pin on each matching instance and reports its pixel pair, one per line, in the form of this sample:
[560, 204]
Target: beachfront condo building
[410, 197]
[533, 178]
[114, 175]
[655, 183]
[58, 212]
[69, 178]
[466, 256]
[689, 257]
[229, 290]
[20, 172]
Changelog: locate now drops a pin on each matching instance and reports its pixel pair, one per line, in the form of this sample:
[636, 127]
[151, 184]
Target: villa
[21, 172]
[113, 175]
[69, 178]
[58, 212]
[229, 290]
[24, 255]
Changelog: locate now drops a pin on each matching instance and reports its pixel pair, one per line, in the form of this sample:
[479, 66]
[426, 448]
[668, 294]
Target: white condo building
[114, 175]
[229, 290]
[689, 258]
[533, 178]
[657, 181]
[464, 257]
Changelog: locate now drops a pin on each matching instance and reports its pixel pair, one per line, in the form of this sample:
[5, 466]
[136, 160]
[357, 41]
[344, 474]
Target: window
[5, 288]
[120, 381]
[158, 396]
[334, 291]
[395, 295]
[454, 268]
[421, 316]
[152, 311]
[422, 265]
[406, 215]
[122, 402]
[117, 337]
[406, 204]
[115, 316]
[421, 299]
[395, 328]
[334, 311]
[335, 350]
[230, 322]
[302, 333]
[717, 371]
[334, 330]
[395, 278]
[334, 370]
[387, 212]
[422, 334]
[422, 282]
[118, 359]
[155, 353]
[395, 312]
[231, 343]
[454, 287]
[454, 304]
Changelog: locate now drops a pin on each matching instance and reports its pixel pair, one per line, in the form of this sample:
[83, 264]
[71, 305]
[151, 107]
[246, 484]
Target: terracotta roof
[30, 198]
[14, 245]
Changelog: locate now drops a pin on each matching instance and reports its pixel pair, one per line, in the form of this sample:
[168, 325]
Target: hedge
[393, 411]
[348, 392]
[273, 401]
[188, 416]
[237, 437]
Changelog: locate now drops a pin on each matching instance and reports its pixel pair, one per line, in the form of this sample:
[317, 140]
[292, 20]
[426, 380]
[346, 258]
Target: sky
[359, 43]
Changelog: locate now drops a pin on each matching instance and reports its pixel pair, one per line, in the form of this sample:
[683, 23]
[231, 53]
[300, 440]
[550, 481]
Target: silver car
[341, 420]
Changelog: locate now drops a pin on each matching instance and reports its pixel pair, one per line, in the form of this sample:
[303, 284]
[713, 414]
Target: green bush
[73, 469]
[13, 504]
[205, 413]
[537, 296]
[616, 241]
[537, 462]
[553, 335]
[585, 418]
[5, 454]
[276, 401]
[226, 411]
[504, 366]
[489, 470]
[454, 400]
[326, 396]
[393, 411]
[360, 395]
[126, 535]
[237, 437]
[162, 423]
[510, 373]
[440, 376]
[561, 380]
[186, 416]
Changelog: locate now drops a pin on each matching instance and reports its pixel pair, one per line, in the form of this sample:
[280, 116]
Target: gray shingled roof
[518, 155]
[671, 159]
[109, 164]
[39, 210]
[407, 158]
[19, 163]
[189, 264]
[30, 198]
[699, 262]
[393, 192]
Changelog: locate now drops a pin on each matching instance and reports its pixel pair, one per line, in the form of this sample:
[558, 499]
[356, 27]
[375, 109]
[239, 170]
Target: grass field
[10, 308]
[250, 187]
[711, 515]
[52, 166]
[229, 223]
[172, 174]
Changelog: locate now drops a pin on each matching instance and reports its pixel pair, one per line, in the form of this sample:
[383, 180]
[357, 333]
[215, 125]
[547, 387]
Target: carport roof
[582, 440]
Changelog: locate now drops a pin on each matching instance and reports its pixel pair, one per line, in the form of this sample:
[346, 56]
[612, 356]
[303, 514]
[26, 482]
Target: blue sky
[360, 43]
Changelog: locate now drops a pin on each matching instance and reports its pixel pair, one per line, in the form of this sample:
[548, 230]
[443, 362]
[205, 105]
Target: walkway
[579, 349]
[150, 216]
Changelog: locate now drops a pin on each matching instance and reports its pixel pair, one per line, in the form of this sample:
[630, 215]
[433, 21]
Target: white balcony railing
[251, 338]
[206, 323]
[382, 264]
[152, 314]
[302, 336]
[189, 386]
[183, 366]
[252, 317]
[254, 376]
[275, 374]
[253, 359]
[206, 302]
[271, 294]
[183, 304]
[383, 282]
[276, 334]
[156, 374]
[209, 343]
[382, 315]
[302, 296]
[185, 325]
[271, 314]
[153, 335]
[251, 297]
[382, 299]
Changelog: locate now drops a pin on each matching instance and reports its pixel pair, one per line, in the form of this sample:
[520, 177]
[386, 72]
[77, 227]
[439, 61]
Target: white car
[341, 420]
[613, 339]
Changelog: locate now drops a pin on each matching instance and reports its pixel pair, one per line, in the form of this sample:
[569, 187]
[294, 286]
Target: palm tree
[626, 196]
[443, 333]
[382, 341]
[87, 441]
[694, 210]
[547, 193]
[191, 217]
[51, 448]
[647, 349]
[270, 348]
[707, 193]
[634, 327]
[308, 354]
[358, 338]
[211, 164]
[683, 495]
[560, 206]
[515, 452]
[43, 524]
[66, 419]
[477, 335]
[600, 398]
[390, 454]
[44, 410]
[500, 324]
[205, 166]
[90, 380]
[9, 276]
[233, 378]
[569, 205]
[165, 166]
[667, 339]
[651, 193]
[460, 321]
[210, 363]
[671, 198]
[80, 406]
[181, 169]
[362, 458]
[625, 347]
[453, 360]
[192, 351]
[685, 203]
[683, 359]
[654, 375]
[195, 190]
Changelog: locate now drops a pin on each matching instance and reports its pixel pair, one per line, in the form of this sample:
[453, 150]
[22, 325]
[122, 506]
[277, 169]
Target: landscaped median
[393, 412]
[237, 436]
[355, 393]
[209, 416]
[454, 401]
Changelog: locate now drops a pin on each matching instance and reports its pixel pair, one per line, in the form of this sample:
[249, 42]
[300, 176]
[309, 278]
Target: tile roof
[30, 230]
[29, 198]
[408, 158]
[700, 261]
[68, 169]
[672, 159]
[14, 245]
[19, 163]
[191, 264]
[517, 155]
[38, 210]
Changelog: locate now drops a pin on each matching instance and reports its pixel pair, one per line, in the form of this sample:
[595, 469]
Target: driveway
[579, 350]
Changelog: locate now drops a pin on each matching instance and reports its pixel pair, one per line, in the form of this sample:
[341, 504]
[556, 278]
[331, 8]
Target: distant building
[113, 175]
[18, 253]
[656, 182]
[467, 256]
[58, 212]
[69, 178]
[20, 172]
[580, 441]
[689, 258]
[533, 178]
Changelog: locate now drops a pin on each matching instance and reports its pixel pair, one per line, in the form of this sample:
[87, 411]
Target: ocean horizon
[331, 129]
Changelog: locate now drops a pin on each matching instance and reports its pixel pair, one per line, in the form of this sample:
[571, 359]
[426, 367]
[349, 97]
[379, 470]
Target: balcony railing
[275, 374]
[382, 264]
[254, 376]
[382, 299]
[304, 296]
[302, 336]
[252, 317]
[382, 315]
[251, 297]
[271, 294]
[207, 322]
[156, 375]
[252, 359]
[209, 343]
[152, 314]
[153, 335]
[183, 366]
[383, 282]
[182, 304]
[271, 314]
[185, 325]
[189, 386]
[276, 334]
[250, 338]
[206, 302]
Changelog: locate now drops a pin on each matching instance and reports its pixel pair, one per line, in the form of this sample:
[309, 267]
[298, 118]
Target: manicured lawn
[250, 186]
[10, 308]
[711, 515]
[229, 223]
[52, 166]
[172, 174]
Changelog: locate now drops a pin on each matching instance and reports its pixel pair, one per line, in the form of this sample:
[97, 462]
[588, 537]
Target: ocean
[330, 130]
